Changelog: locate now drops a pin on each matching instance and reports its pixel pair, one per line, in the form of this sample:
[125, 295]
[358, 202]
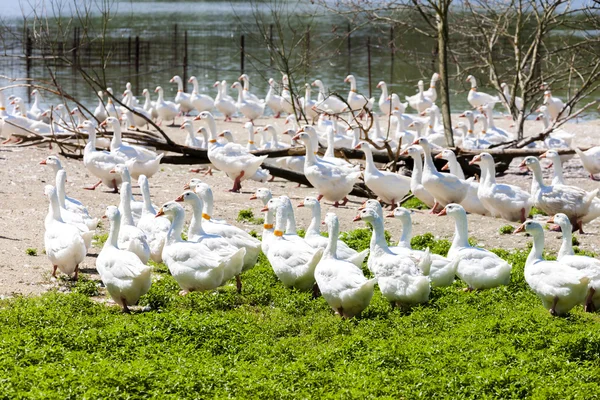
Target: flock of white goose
[216, 251]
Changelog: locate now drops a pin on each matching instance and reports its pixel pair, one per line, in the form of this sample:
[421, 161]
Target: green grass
[100, 239]
[414, 203]
[31, 251]
[248, 217]
[507, 229]
[536, 211]
[273, 342]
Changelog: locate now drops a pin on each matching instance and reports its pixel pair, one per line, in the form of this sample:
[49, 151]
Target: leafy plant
[536, 211]
[248, 217]
[86, 286]
[99, 239]
[31, 251]
[507, 229]
[415, 204]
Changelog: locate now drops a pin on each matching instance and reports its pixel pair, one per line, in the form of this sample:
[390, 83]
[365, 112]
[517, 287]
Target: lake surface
[214, 31]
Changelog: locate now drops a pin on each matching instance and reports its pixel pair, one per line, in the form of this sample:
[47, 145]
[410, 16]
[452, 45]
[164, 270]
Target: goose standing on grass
[273, 100]
[292, 261]
[223, 102]
[182, 98]
[63, 243]
[342, 283]
[149, 105]
[419, 102]
[440, 270]
[332, 182]
[126, 278]
[131, 238]
[478, 99]
[201, 102]
[100, 163]
[501, 200]
[556, 165]
[231, 158]
[215, 243]
[264, 195]
[154, 228]
[559, 286]
[588, 265]
[249, 108]
[236, 236]
[445, 188]
[590, 159]
[192, 265]
[477, 267]
[313, 236]
[400, 280]
[416, 178]
[580, 206]
[166, 110]
[390, 187]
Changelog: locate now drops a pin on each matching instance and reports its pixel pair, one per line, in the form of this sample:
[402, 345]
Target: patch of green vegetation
[184, 235]
[99, 239]
[159, 267]
[581, 252]
[31, 251]
[248, 217]
[422, 242]
[86, 286]
[301, 232]
[254, 234]
[507, 229]
[536, 211]
[274, 342]
[415, 204]
[574, 241]
[359, 239]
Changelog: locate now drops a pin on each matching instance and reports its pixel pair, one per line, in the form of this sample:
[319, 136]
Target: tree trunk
[442, 37]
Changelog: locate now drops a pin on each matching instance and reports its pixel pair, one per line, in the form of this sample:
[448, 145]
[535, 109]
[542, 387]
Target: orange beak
[43, 162]
[475, 160]
[104, 217]
[182, 126]
[443, 212]
[403, 153]
[357, 218]
[179, 199]
[297, 137]
[160, 213]
[522, 164]
[390, 215]
[551, 220]
[543, 155]
[253, 197]
[301, 204]
[462, 115]
[416, 141]
[198, 118]
[222, 134]
[438, 155]
[264, 209]
[446, 167]
[186, 186]
[357, 147]
[112, 171]
[103, 123]
[521, 228]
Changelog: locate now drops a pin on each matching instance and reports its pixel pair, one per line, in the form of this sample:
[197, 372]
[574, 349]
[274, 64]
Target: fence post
[349, 50]
[137, 55]
[369, 62]
[242, 54]
[28, 60]
[75, 45]
[392, 51]
[271, 44]
[175, 44]
[307, 55]
[129, 52]
[185, 60]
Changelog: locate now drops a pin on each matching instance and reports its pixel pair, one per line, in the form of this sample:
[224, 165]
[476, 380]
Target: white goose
[247, 95]
[131, 238]
[273, 100]
[440, 270]
[357, 101]
[501, 200]
[63, 242]
[478, 268]
[134, 120]
[223, 102]
[445, 188]
[149, 105]
[100, 163]
[580, 206]
[292, 261]
[342, 284]
[137, 207]
[182, 98]
[508, 98]
[390, 187]
[559, 286]
[191, 140]
[192, 265]
[100, 111]
[588, 265]
[250, 109]
[289, 105]
[419, 102]
[125, 277]
[308, 105]
[217, 244]
[400, 280]
[154, 228]
[555, 106]
[65, 201]
[166, 110]
[230, 158]
[471, 202]
[477, 99]
[201, 102]
[236, 236]
[327, 103]
[313, 237]
[431, 93]
[35, 109]
[416, 178]
[264, 195]
[557, 133]
[590, 159]
[111, 109]
[331, 181]
[261, 175]
[556, 163]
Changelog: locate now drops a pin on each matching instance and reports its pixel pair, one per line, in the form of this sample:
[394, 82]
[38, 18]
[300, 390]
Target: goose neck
[160, 96]
[537, 249]
[179, 85]
[196, 222]
[61, 178]
[176, 228]
[370, 164]
[488, 168]
[54, 208]
[428, 164]
[384, 91]
[406, 233]
[207, 199]
[331, 249]
[146, 197]
[378, 237]
[280, 221]
[195, 85]
[290, 228]
[126, 218]
[116, 141]
[566, 247]
[315, 220]
[461, 232]
[537, 176]
[417, 173]
[212, 127]
[113, 231]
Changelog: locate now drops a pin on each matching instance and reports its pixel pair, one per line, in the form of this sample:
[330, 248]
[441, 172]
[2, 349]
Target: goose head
[192, 184]
[187, 124]
[227, 135]
[236, 85]
[552, 156]
[119, 169]
[471, 79]
[349, 79]
[86, 126]
[159, 90]
[271, 205]
[427, 111]
[188, 196]
[170, 210]
[249, 125]
[204, 115]
[34, 92]
[381, 85]
[468, 115]
[454, 210]
[401, 214]
[424, 143]
[145, 92]
[413, 151]
[503, 86]
[303, 138]
[364, 146]
[420, 85]
[192, 79]
[331, 220]
[530, 162]
[112, 213]
[366, 214]
[285, 79]
[309, 202]
[290, 119]
[370, 203]
[561, 220]
[175, 79]
[244, 77]
[262, 194]
[445, 154]
[531, 227]
[52, 161]
[482, 159]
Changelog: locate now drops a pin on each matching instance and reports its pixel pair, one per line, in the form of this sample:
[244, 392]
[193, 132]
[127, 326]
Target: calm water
[214, 30]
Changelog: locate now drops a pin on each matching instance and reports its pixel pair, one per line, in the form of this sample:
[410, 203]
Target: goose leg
[589, 304]
[76, 276]
[594, 178]
[238, 283]
[93, 187]
[523, 216]
[124, 305]
[316, 292]
[115, 186]
[553, 309]
[208, 171]
[344, 202]
[272, 178]
[336, 204]
[580, 223]
[435, 205]
[277, 115]
[183, 292]
[319, 197]
[54, 267]
[237, 183]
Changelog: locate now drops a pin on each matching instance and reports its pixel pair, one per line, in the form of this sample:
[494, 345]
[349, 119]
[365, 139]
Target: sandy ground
[23, 206]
